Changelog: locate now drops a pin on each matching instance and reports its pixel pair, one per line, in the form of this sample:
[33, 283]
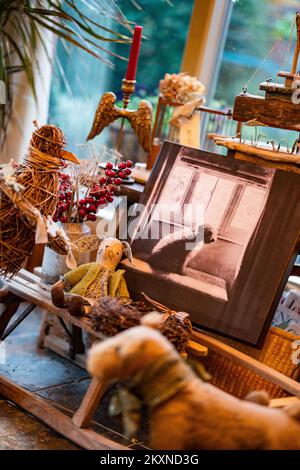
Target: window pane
[219, 202]
[260, 42]
[165, 26]
[249, 209]
[174, 192]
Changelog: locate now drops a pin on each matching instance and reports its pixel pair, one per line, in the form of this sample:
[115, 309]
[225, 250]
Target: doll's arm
[73, 302]
[75, 275]
[117, 284]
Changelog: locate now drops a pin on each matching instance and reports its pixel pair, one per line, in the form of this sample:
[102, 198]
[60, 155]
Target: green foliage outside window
[259, 43]
[79, 80]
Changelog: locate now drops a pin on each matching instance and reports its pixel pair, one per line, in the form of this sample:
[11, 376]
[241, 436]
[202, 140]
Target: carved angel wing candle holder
[107, 112]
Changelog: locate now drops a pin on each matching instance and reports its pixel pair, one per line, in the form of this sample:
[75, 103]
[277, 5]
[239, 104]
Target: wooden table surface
[132, 191]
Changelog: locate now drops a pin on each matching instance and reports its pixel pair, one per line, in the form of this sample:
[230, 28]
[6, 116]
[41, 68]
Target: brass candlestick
[140, 119]
[128, 87]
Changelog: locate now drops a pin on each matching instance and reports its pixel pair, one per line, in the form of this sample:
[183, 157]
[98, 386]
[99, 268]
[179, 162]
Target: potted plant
[22, 32]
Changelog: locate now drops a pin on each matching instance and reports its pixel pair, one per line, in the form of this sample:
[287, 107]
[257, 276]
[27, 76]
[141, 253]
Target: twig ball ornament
[48, 139]
[177, 331]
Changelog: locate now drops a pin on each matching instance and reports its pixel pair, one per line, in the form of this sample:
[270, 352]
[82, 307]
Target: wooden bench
[29, 287]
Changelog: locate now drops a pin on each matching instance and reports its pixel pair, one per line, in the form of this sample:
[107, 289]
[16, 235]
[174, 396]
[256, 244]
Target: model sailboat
[279, 108]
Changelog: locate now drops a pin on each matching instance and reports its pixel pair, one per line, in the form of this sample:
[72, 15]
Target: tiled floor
[51, 377]
[20, 431]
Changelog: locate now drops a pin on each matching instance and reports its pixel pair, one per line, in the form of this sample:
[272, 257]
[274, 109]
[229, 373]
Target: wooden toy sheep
[184, 412]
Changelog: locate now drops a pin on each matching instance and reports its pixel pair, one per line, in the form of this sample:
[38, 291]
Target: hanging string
[245, 87]
[289, 47]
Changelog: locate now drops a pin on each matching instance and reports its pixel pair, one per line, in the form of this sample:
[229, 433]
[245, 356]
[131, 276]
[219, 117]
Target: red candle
[134, 53]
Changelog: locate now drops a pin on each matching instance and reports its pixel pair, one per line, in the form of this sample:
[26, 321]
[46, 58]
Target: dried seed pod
[177, 331]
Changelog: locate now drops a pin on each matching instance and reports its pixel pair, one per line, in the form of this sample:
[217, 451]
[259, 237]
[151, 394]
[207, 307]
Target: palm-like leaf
[21, 29]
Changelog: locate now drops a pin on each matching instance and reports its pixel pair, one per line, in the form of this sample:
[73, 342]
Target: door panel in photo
[201, 194]
[219, 202]
[244, 215]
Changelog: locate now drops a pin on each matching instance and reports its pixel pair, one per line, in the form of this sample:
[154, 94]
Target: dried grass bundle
[110, 316]
[39, 177]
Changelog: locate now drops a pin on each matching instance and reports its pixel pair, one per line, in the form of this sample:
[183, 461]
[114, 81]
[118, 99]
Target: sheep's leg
[89, 404]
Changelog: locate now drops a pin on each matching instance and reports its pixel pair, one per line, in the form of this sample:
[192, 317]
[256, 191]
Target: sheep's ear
[127, 252]
[87, 244]
[153, 320]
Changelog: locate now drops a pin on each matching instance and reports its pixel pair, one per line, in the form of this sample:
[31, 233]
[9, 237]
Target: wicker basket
[238, 381]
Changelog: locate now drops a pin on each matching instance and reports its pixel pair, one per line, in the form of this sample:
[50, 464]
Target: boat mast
[291, 76]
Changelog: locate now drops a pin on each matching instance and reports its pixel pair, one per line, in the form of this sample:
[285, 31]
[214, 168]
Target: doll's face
[110, 253]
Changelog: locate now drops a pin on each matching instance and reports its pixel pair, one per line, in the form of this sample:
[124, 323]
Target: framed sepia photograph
[216, 237]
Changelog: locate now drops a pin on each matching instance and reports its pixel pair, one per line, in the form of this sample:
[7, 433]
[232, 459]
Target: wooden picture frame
[240, 277]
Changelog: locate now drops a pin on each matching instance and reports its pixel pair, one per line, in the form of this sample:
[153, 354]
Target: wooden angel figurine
[185, 412]
[85, 284]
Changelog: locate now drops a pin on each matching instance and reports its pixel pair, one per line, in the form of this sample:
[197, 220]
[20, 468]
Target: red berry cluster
[99, 195]
[65, 198]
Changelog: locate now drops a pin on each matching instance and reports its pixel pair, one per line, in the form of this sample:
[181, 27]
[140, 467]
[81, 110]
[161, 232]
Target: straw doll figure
[87, 283]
